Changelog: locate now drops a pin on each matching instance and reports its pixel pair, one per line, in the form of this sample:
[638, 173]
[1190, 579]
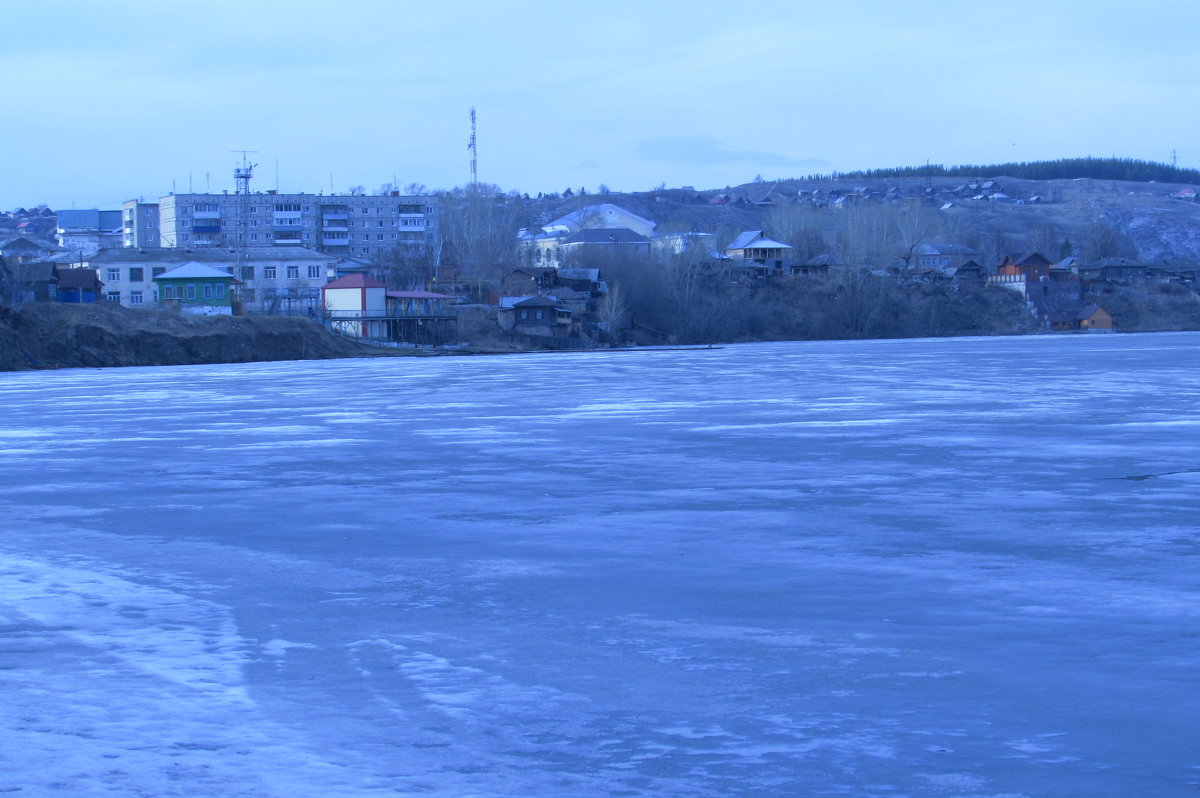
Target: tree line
[1062, 169]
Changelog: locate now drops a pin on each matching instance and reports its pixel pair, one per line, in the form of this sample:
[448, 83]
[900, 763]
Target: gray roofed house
[19, 249]
[29, 281]
[940, 255]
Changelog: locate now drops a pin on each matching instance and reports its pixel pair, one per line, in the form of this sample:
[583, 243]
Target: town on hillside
[821, 258]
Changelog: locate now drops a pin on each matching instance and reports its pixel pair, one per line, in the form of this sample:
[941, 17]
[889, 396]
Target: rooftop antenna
[1174, 162]
[473, 147]
[241, 179]
[243, 173]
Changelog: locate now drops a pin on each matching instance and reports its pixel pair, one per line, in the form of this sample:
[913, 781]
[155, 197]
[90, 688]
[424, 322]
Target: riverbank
[47, 335]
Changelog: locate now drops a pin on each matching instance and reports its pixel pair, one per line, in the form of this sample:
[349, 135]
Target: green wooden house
[196, 288]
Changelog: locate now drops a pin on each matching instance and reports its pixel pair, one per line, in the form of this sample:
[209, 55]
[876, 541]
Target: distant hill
[1061, 169]
[1087, 207]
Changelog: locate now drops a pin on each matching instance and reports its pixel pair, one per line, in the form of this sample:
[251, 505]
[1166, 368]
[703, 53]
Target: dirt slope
[47, 335]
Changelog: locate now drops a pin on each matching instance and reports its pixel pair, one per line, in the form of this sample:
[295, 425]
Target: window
[157, 270]
[191, 291]
[539, 314]
[363, 210]
[112, 275]
[314, 272]
[135, 297]
[136, 274]
[254, 236]
[254, 222]
[287, 208]
[293, 272]
[208, 290]
[524, 314]
[220, 290]
[114, 296]
[269, 272]
[379, 236]
[379, 223]
[253, 209]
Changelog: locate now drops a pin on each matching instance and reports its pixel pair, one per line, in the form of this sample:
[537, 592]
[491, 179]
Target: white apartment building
[347, 225]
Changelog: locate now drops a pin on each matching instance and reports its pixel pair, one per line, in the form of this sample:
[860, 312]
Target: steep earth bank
[47, 335]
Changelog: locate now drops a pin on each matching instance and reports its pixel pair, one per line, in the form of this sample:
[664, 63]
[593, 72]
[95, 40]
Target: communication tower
[473, 147]
[241, 180]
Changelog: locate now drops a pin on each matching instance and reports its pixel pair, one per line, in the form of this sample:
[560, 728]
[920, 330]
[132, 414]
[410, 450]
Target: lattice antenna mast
[241, 181]
[474, 148]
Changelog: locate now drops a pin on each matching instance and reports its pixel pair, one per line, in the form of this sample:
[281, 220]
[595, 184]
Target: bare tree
[610, 310]
[479, 230]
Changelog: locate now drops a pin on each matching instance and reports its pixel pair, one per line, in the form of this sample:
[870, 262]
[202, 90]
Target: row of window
[290, 207]
[137, 274]
[189, 291]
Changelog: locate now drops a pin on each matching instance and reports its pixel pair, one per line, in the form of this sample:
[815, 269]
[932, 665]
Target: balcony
[336, 228]
[206, 215]
[335, 217]
[208, 228]
[335, 242]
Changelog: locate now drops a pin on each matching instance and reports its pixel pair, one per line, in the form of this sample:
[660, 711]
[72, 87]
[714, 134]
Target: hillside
[1086, 217]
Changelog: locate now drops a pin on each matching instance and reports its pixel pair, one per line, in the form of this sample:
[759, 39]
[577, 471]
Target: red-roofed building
[356, 305]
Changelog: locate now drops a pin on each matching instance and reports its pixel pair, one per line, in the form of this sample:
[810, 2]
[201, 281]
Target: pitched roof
[754, 239]
[83, 279]
[538, 302]
[605, 213]
[945, 249]
[606, 235]
[193, 270]
[354, 280]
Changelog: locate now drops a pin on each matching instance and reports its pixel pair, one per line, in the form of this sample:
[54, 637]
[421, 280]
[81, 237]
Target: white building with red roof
[351, 303]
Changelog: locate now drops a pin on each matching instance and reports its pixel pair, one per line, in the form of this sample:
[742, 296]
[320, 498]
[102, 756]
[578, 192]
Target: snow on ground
[906, 568]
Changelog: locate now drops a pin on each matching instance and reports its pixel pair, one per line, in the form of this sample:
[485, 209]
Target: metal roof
[193, 271]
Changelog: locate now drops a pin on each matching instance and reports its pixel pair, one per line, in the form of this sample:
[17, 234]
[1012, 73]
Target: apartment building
[346, 225]
[139, 222]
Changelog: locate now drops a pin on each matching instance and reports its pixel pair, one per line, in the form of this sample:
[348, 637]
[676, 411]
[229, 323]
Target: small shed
[1094, 317]
[79, 286]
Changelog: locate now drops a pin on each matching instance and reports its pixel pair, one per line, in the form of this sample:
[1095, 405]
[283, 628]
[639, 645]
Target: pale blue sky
[111, 101]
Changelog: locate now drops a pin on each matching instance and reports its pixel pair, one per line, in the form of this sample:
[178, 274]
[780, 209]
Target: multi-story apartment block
[139, 223]
[347, 225]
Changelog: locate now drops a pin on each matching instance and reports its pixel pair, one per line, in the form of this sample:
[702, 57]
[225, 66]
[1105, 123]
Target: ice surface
[908, 568]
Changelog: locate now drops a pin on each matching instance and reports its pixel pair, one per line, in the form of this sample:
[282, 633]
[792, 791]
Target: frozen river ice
[905, 568]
